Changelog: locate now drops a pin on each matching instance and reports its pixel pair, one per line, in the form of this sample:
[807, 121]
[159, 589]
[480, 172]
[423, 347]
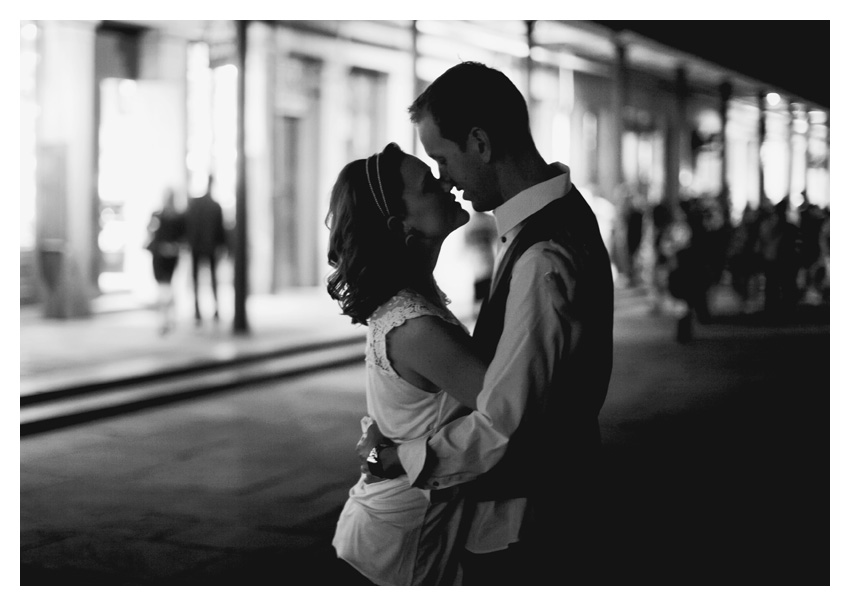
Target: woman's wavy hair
[367, 249]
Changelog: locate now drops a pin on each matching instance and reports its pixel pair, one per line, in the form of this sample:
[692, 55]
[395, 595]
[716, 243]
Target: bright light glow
[773, 99]
[561, 139]
[817, 117]
[224, 135]
[29, 32]
[708, 122]
[199, 135]
[686, 178]
[112, 237]
[127, 88]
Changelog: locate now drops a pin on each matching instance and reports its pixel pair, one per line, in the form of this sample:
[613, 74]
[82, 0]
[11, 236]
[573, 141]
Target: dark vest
[557, 435]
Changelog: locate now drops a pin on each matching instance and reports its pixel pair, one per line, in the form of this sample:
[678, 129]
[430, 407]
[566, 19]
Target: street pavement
[715, 466]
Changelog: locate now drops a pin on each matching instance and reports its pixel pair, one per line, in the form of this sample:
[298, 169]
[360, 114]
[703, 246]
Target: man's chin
[480, 206]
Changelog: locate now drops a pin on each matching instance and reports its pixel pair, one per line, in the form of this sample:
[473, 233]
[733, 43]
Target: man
[546, 331]
[205, 235]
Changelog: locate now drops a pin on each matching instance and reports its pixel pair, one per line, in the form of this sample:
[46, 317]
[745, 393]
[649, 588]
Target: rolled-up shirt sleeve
[536, 328]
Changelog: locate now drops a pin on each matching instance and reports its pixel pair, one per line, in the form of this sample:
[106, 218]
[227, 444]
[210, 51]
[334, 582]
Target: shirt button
[504, 239]
[436, 483]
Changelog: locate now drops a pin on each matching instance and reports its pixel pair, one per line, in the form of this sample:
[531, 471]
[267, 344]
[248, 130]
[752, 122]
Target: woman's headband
[385, 210]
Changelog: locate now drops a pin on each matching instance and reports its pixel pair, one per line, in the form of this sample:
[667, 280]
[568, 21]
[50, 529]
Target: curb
[84, 403]
[39, 397]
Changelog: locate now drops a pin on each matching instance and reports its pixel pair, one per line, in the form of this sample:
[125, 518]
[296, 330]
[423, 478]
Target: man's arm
[430, 354]
[537, 331]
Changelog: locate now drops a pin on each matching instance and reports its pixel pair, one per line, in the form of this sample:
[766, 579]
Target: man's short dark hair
[472, 94]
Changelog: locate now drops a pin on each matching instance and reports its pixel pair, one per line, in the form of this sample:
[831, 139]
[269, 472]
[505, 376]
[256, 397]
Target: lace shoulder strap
[404, 306]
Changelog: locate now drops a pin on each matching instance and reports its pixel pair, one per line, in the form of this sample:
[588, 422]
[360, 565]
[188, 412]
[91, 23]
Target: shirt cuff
[412, 455]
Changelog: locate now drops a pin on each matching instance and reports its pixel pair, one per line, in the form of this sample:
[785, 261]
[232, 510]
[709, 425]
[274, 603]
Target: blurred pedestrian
[812, 219]
[779, 240]
[743, 258]
[167, 230]
[206, 237]
[683, 274]
[662, 218]
[824, 247]
[635, 204]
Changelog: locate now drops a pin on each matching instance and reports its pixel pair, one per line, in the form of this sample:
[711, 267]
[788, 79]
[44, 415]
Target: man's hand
[389, 464]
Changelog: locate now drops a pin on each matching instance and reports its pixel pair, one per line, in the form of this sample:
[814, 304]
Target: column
[725, 96]
[805, 153]
[240, 265]
[66, 188]
[674, 143]
[620, 102]
[259, 126]
[792, 135]
[762, 131]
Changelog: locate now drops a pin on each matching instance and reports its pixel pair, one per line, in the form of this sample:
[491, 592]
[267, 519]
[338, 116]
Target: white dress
[392, 533]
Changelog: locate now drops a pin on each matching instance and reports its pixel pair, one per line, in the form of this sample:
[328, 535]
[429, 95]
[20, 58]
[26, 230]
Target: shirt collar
[527, 202]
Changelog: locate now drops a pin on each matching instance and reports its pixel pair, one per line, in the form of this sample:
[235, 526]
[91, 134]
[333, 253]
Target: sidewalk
[121, 338]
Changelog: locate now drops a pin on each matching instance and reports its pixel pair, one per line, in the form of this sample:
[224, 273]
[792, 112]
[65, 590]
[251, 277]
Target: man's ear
[479, 141]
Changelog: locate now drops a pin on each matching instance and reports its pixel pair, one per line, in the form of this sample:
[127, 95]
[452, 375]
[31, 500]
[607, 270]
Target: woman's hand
[389, 463]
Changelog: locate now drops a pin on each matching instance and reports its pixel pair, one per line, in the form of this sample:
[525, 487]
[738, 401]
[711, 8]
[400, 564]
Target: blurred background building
[115, 113]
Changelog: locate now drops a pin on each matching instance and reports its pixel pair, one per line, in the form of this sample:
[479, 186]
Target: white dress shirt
[518, 376]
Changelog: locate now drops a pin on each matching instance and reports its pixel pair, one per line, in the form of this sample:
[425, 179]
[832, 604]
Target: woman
[388, 219]
[167, 230]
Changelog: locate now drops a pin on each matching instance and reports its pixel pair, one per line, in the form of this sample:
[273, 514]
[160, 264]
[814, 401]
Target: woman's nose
[445, 183]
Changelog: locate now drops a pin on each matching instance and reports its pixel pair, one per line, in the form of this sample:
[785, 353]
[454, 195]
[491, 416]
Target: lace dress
[391, 532]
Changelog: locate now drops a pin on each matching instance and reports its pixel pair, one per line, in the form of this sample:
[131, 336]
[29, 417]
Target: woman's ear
[479, 140]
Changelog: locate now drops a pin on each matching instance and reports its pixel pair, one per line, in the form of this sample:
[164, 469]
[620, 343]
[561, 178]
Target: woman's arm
[433, 355]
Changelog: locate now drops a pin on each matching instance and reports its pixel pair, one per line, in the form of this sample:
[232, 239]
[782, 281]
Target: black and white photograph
[525, 305]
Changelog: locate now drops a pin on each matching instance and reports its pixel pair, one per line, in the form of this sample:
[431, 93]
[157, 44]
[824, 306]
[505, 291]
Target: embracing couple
[479, 455]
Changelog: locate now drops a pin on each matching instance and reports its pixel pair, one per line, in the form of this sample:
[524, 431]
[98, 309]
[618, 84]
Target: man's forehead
[427, 128]
[429, 134]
